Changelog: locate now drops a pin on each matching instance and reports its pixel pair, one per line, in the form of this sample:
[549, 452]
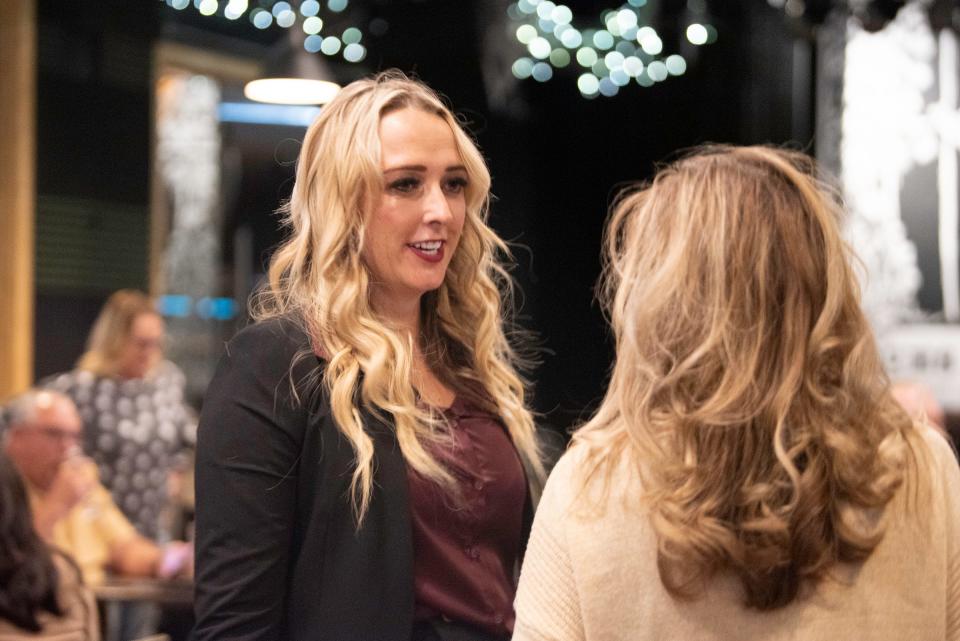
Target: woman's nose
[436, 205]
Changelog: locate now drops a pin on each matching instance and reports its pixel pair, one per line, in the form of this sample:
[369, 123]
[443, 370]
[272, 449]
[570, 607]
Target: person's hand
[176, 559]
[75, 480]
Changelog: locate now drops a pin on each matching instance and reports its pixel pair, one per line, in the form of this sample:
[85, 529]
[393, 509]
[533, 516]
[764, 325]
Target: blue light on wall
[182, 306]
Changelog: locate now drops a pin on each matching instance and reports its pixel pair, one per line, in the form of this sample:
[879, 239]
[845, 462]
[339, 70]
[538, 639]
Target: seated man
[71, 509]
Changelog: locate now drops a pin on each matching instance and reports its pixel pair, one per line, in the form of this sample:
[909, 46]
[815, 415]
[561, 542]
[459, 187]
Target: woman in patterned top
[136, 425]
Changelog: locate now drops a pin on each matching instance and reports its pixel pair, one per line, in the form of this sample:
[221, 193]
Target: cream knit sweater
[596, 578]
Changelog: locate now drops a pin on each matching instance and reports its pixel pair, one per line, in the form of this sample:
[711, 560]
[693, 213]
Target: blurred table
[164, 592]
[113, 593]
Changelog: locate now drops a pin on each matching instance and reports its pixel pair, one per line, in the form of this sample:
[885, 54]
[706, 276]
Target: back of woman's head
[747, 380]
[28, 578]
[111, 331]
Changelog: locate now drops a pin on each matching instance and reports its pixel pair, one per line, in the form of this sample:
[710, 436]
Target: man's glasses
[57, 434]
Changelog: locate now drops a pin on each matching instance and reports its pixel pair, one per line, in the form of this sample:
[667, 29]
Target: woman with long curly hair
[365, 451]
[748, 474]
[42, 595]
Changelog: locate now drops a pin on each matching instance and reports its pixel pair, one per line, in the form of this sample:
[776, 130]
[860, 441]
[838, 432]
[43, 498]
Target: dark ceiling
[556, 158]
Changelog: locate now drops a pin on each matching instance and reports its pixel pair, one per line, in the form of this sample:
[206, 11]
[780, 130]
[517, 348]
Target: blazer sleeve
[248, 446]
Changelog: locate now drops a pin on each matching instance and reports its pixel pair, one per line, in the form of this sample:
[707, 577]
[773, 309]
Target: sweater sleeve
[948, 477]
[249, 442]
[547, 604]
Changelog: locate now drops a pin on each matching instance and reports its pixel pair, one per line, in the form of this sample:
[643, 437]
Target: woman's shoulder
[272, 345]
[269, 360]
[80, 618]
[280, 332]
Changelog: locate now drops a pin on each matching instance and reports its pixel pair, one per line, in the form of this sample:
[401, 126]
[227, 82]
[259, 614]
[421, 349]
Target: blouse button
[498, 618]
[478, 485]
[474, 552]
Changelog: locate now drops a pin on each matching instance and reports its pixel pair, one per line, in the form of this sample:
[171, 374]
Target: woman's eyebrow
[422, 168]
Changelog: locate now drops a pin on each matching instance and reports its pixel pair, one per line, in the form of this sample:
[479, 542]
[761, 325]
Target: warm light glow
[291, 91]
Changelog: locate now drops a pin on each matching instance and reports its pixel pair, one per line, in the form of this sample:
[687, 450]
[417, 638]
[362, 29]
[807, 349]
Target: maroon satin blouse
[464, 554]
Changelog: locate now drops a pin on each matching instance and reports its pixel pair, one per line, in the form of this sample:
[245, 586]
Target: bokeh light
[354, 52]
[587, 57]
[697, 34]
[312, 25]
[608, 88]
[312, 43]
[588, 84]
[539, 47]
[657, 70]
[560, 58]
[603, 40]
[542, 72]
[676, 65]
[522, 68]
[526, 33]
[330, 46]
[571, 39]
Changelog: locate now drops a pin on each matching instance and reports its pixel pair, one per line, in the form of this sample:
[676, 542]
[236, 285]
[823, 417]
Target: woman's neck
[401, 315]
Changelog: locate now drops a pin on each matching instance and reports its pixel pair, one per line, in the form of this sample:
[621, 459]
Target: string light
[283, 13]
[617, 48]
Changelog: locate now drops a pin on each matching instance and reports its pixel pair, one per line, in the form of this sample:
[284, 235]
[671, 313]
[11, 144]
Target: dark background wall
[556, 158]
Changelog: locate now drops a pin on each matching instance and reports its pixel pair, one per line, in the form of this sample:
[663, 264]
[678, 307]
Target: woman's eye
[404, 185]
[456, 185]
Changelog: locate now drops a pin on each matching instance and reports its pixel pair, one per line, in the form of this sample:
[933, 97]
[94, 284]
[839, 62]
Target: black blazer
[278, 555]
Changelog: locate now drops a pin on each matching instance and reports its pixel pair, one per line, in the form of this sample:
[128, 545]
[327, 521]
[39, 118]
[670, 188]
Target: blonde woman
[136, 424]
[748, 474]
[365, 452]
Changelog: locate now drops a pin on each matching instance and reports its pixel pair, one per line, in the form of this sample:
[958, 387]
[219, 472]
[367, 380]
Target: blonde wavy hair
[111, 331]
[747, 390]
[319, 277]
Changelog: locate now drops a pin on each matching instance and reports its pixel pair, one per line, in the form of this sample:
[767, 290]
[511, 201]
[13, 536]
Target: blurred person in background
[42, 594]
[366, 462]
[748, 474]
[137, 427]
[73, 511]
